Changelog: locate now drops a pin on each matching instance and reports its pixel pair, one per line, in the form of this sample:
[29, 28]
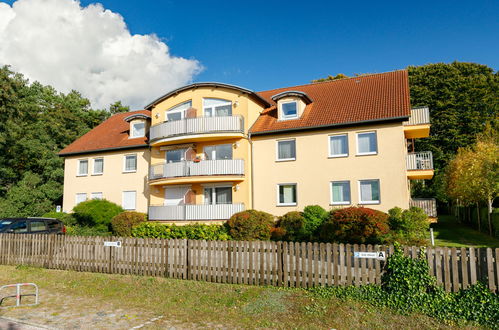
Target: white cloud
[89, 49]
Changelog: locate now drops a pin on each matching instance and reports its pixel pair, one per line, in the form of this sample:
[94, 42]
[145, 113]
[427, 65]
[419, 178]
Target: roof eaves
[138, 146]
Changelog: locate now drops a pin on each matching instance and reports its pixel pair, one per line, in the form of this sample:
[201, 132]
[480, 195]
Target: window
[175, 156]
[289, 110]
[286, 194]
[369, 192]
[37, 226]
[19, 227]
[130, 163]
[338, 145]
[217, 107]
[82, 167]
[178, 112]
[286, 150]
[340, 192]
[221, 151]
[128, 202]
[4, 224]
[98, 166]
[138, 129]
[218, 195]
[96, 195]
[80, 197]
[367, 143]
[53, 225]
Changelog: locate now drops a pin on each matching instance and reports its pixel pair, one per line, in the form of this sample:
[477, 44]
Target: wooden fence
[258, 263]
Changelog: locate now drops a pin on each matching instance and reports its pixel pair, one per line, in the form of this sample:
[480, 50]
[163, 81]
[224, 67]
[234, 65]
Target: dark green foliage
[36, 122]
[293, 226]
[407, 288]
[409, 227]
[76, 230]
[123, 223]
[96, 213]
[194, 231]
[462, 97]
[251, 225]
[66, 218]
[360, 225]
[314, 216]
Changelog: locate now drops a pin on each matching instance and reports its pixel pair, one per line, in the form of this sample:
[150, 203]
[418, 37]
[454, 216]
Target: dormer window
[138, 129]
[289, 110]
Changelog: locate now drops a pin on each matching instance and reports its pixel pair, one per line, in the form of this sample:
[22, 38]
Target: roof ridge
[330, 81]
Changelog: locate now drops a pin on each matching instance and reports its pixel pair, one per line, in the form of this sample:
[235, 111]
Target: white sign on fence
[370, 255]
[113, 244]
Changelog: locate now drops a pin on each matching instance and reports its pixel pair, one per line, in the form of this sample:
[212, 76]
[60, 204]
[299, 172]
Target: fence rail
[429, 205]
[419, 160]
[194, 211]
[197, 125]
[259, 263]
[419, 116]
[191, 168]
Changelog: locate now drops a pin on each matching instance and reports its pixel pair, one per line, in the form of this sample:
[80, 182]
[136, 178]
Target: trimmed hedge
[251, 225]
[293, 228]
[194, 231]
[122, 223]
[66, 218]
[96, 213]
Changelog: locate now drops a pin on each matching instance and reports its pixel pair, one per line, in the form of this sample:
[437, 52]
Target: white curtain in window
[338, 145]
[131, 163]
[208, 193]
[81, 197]
[287, 149]
[341, 192]
[98, 166]
[369, 191]
[287, 194]
[83, 167]
[367, 142]
[223, 195]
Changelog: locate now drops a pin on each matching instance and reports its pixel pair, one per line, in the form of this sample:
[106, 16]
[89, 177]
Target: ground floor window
[369, 191]
[286, 194]
[340, 192]
[80, 197]
[218, 195]
[96, 195]
[129, 200]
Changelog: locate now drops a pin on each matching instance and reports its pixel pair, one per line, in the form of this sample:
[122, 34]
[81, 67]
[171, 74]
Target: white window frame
[80, 194]
[182, 111]
[277, 151]
[361, 202]
[136, 163]
[349, 195]
[93, 166]
[284, 117]
[78, 167]
[213, 193]
[329, 146]
[94, 194]
[133, 134]
[357, 143]
[123, 200]
[213, 107]
[296, 194]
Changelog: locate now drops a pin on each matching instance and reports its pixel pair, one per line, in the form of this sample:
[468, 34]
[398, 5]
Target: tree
[117, 107]
[329, 78]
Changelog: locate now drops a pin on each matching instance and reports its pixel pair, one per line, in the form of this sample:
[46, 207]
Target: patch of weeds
[315, 309]
[270, 301]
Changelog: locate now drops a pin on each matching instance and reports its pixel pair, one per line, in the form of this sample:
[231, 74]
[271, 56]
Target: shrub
[314, 216]
[66, 218]
[277, 234]
[408, 226]
[355, 225]
[250, 225]
[96, 213]
[293, 226]
[194, 231]
[76, 230]
[122, 223]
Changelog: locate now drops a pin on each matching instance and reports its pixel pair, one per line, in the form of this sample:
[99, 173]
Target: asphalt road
[8, 324]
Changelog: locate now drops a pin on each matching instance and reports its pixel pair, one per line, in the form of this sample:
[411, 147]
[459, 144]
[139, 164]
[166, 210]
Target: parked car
[32, 226]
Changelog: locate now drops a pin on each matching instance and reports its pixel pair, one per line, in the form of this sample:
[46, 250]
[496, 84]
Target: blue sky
[269, 44]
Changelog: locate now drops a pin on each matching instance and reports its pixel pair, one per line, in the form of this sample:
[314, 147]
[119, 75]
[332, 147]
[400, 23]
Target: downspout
[251, 168]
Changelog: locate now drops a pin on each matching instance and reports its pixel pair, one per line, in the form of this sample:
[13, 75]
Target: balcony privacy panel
[420, 160]
[194, 212]
[204, 167]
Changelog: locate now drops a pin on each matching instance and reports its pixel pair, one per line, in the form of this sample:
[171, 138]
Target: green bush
[250, 225]
[314, 216]
[360, 225]
[66, 218]
[409, 227]
[96, 213]
[194, 231]
[77, 230]
[122, 223]
[407, 288]
[292, 225]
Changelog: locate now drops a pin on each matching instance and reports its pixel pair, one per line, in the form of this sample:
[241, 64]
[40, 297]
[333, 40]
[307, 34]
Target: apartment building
[110, 162]
[217, 149]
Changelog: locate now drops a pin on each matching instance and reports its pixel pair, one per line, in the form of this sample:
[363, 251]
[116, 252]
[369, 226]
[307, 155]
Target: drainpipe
[252, 176]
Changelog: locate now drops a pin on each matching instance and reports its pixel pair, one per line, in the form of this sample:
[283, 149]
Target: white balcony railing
[420, 160]
[429, 205]
[190, 212]
[419, 116]
[198, 125]
[204, 167]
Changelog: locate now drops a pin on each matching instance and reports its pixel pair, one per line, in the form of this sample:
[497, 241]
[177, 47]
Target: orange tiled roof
[344, 101]
[111, 134]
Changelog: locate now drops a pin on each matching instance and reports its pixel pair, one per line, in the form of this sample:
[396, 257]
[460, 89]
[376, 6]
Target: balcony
[191, 212]
[418, 125]
[196, 129]
[419, 165]
[429, 205]
[203, 171]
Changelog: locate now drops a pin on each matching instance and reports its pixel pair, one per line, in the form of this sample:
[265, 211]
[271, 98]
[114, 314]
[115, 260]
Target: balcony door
[218, 195]
[175, 155]
[217, 107]
[221, 151]
[178, 112]
[176, 195]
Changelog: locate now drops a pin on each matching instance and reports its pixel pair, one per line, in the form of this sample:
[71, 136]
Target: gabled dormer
[291, 104]
[139, 125]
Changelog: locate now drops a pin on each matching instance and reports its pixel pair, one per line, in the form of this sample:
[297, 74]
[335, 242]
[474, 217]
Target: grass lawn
[101, 301]
[449, 232]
